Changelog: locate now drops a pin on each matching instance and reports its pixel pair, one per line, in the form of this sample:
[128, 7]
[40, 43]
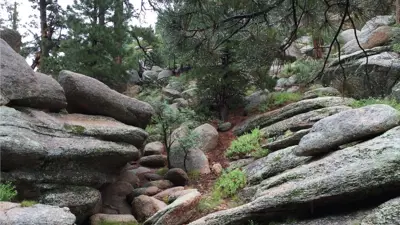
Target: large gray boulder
[288, 111]
[41, 157]
[254, 101]
[150, 75]
[383, 72]
[351, 175]
[196, 160]
[90, 96]
[301, 121]
[153, 148]
[207, 137]
[164, 74]
[14, 214]
[134, 77]
[12, 37]
[178, 212]
[17, 79]
[273, 164]
[348, 126]
[348, 35]
[82, 201]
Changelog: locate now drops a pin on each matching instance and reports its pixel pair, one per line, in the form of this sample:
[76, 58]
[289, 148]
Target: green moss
[28, 203]
[7, 191]
[75, 129]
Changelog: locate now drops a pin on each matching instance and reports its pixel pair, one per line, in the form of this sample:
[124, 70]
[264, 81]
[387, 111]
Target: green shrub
[372, 101]
[305, 70]
[210, 202]
[7, 191]
[28, 203]
[245, 145]
[281, 98]
[229, 183]
[396, 47]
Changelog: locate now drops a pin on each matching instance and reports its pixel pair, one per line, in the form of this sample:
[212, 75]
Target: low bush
[246, 145]
[281, 98]
[372, 101]
[305, 70]
[7, 191]
[229, 183]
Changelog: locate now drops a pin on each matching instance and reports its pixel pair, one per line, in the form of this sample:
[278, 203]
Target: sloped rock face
[208, 137]
[387, 213]
[342, 177]
[89, 96]
[301, 121]
[178, 212]
[273, 164]
[288, 111]
[15, 214]
[345, 127]
[42, 157]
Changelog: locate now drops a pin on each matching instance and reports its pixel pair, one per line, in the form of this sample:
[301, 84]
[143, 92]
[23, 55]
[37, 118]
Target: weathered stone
[383, 71]
[153, 148]
[196, 160]
[18, 81]
[207, 137]
[161, 184]
[217, 169]
[153, 176]
[82, 201]
[143, 207]
[164, 74]
[177, 176]
[178, 212]
[319, 92]
[254, 101]
[286, 140]
[174, 196]
[40, 148]
[150, 75]
[90, 96]
[171, 93]
[273, 164]
[288, 111]
[224, 126]
[114, 198]
[102, 127]
[15, 214]
[122, 219]
[387, 213]
[134, 77]
[301, 121]
[149, 191]
[348, 126]
[370, 167]
[156, 69]
[153, 161]
[129, 177]
[162, 196]
[181, 102]
[50, 95]
[348, 35]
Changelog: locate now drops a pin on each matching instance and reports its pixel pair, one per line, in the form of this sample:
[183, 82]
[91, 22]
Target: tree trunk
[15, 17]
[317, 44]
[398, 11]
[119, 28]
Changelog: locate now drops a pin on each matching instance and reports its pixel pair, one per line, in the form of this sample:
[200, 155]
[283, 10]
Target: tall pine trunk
[398, 11]
[119, 29]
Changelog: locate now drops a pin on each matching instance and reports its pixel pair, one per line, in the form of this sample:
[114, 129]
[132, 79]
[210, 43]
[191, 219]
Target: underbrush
[247, 145]
[305, 70]
[7, 191]
[224, 191]
[277, 99]
[372, 101]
